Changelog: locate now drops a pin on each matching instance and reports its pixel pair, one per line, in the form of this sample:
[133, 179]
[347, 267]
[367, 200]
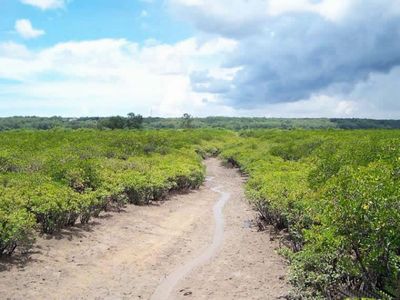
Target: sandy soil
[130, 255]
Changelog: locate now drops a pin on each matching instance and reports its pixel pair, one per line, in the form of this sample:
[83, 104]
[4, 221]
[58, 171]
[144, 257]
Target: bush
[16, 223]
[336, 194]
[59, 177]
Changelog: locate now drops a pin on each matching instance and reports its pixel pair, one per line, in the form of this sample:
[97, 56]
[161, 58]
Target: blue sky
[81, 20]
[275, 58]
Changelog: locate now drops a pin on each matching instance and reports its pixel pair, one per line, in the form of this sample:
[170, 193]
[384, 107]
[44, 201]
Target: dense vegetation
[334, 193]
[337, 195]
[53, 179]
[133, 121]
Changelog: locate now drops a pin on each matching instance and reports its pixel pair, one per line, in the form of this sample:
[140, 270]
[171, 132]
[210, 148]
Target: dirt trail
[180, 249]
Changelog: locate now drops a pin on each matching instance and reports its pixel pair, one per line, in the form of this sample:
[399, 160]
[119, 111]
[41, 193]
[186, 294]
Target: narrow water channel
[166, 287]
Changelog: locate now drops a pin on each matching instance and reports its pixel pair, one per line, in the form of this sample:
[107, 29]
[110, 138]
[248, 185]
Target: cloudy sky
[274, 58]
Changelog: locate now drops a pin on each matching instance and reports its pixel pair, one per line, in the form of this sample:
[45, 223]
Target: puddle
[167, 286]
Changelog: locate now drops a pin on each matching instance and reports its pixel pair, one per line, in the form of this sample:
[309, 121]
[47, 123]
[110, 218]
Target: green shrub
[59, 177]
[336, 194]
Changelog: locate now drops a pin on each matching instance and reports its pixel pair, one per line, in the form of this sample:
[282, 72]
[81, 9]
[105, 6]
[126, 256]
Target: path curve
[126, 255]
[166, 287]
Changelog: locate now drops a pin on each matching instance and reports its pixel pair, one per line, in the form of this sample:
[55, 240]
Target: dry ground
[127, 255]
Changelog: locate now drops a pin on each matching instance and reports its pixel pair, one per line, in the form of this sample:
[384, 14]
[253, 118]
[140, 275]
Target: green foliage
[116, 122]
[334, 193]
[231, 123]
[337, 195]
[53, 179]
[187, 121]
[15, 227]
[363, 209]
[8, 163]
[134, 121]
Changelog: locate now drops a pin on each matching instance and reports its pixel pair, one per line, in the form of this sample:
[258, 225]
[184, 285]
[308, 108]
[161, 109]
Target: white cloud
[14, 50]
[26, 30]
[45, 4]
[110, 77]
[106, 77]
[330, 9]
[268, 49]
[214, 17]
[307, 53]
[247, 13]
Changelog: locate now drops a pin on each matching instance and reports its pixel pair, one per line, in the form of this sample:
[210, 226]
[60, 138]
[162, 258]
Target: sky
[272, 58]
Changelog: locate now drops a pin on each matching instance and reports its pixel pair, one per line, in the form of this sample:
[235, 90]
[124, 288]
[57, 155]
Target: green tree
[187, 121]
[134, 121]
[116, 122]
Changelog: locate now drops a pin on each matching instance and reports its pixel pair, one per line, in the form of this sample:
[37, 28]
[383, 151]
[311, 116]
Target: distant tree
[187, 121]
[116, 122]
[134, 121]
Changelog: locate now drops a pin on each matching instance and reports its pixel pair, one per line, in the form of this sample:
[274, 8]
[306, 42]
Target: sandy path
[129, 255]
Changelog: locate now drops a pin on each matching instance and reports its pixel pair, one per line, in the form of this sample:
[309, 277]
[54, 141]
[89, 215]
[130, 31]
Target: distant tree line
[136, 121]
[117, 122]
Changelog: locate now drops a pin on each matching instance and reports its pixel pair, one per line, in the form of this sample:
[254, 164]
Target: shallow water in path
[166, 287]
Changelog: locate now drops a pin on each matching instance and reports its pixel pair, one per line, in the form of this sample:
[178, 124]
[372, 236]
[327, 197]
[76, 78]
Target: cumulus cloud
[45, 4]
[202, 82]
[330, 9]
[236, 18]
[14, 50]
[290, 51]
[25, 29]
[377, 97]
[109, 76]
[296, 58]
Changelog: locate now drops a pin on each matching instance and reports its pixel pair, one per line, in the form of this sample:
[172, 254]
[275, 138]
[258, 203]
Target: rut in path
[128, 255]
[165, 289]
